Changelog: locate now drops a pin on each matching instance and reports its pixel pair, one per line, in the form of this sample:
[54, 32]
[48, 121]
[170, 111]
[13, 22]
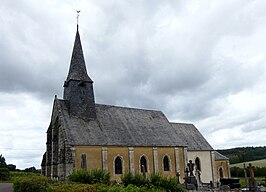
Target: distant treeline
[244, 154]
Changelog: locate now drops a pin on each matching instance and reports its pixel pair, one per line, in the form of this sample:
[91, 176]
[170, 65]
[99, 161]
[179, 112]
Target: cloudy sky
[200, 62]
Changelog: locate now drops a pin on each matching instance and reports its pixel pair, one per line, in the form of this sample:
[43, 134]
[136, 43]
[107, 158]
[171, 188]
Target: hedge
[31, 184]
[154, 181]
[4, 174]
[90, 177]
[239, 172]
[129, 188]
[67, 187]
[99, 182]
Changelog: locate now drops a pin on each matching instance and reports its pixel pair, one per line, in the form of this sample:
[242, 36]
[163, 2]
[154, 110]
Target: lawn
[258, 163]
[259, 180]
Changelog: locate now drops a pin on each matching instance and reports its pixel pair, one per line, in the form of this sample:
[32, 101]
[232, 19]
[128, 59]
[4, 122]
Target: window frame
[147, 164]
[168, 163]
[122, 164]
[198, 163]
[83, 161]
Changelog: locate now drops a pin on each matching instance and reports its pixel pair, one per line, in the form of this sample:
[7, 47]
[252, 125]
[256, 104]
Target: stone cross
[190, 167]
[78, 11]
[251, 170]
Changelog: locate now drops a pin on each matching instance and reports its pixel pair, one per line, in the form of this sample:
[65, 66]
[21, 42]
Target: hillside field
[257, 163]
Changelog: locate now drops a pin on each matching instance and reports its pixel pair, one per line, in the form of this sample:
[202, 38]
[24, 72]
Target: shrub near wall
[90, 177]
[4, 174]
[137, 180]
[129, 188]
[154, 181]
[68, 187]
[169, 184]
[31, 184]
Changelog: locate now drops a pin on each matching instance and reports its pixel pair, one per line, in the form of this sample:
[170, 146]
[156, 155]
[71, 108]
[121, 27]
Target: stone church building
[85, 135]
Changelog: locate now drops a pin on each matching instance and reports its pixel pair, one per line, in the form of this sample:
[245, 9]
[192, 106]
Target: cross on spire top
[78, 11]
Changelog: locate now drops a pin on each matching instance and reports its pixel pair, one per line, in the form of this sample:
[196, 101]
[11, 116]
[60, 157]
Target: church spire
[77, 69]
[78, 87]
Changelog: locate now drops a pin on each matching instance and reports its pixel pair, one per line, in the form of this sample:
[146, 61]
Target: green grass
[259, 180]
[258, 163]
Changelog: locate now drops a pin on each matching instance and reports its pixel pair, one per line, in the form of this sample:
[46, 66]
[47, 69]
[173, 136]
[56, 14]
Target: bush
[138, 180]
[66, 187]
[260, 171]
[4, 174]
[90, 177]
[129, 188]
[169, 184]
[80, 176]
[31, 184]
[239, 172]
[22, 174]
[127, 179]
[100, 176]
[156, 180]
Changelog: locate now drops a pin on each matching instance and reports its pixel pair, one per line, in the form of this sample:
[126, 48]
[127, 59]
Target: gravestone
[251, 181]
[190, 179]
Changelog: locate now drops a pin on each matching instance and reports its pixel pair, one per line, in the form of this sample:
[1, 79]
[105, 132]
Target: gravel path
[6, 187]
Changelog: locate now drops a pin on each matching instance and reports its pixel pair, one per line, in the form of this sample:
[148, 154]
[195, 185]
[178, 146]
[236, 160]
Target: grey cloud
[166, 55]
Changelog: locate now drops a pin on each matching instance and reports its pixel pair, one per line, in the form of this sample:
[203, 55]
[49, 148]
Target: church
[85, 135]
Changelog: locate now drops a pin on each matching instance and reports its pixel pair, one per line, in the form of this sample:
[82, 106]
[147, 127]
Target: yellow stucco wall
[148, 153]
[94, 156]
[94, 159]
[112, 153]
[224, 165]
[162, 151]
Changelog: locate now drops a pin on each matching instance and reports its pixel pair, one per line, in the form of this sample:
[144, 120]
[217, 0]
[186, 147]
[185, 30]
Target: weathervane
[78, 11]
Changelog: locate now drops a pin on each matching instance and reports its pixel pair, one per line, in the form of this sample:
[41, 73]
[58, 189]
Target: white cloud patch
[23, 128]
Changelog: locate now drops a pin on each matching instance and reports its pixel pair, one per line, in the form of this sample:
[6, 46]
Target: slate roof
[77, 69]
[119, 126]
[219, 156]
[193, 138]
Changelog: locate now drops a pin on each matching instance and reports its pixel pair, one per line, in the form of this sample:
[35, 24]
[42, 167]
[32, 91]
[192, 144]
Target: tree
[4, 173]
[2, 161]
[11, 167]
[31, 169]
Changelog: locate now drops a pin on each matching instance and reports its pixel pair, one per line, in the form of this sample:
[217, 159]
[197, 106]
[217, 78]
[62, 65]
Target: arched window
[83, 162]
[118, 165]
[166, 164]
[221, 172]
[197, 162]
[143, 164]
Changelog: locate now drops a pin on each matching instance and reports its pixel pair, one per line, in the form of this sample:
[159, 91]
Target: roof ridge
[123, 107]
[182, 123]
